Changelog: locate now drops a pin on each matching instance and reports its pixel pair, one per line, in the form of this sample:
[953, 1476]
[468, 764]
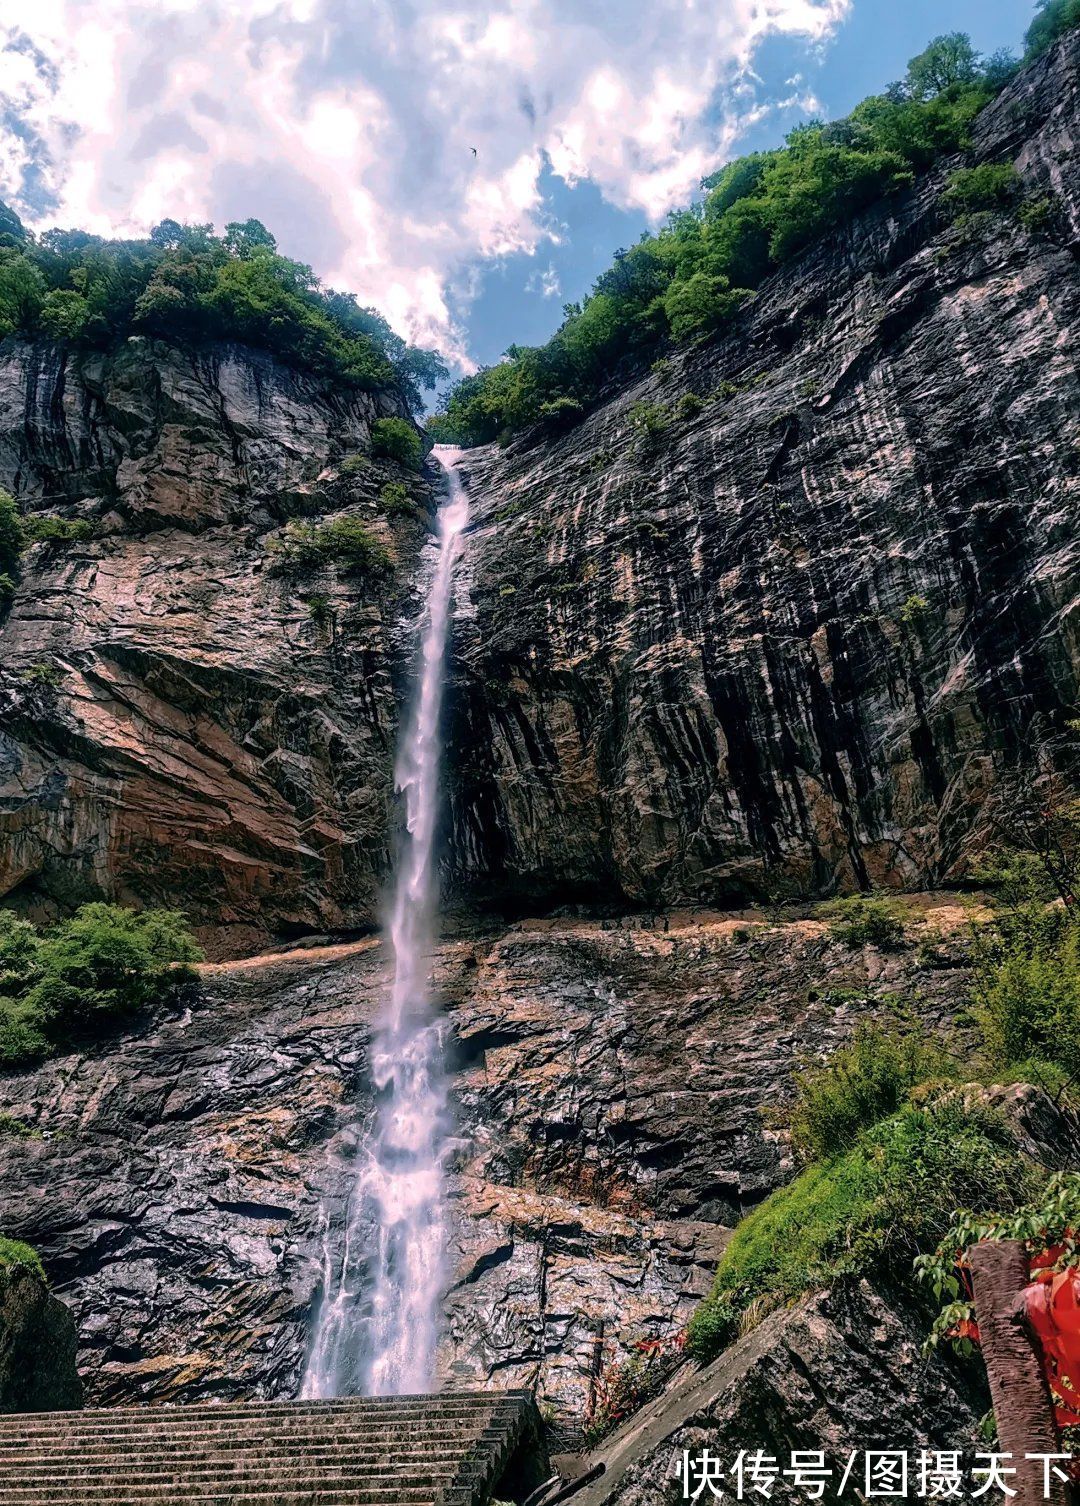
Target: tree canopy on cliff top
[185, 282]
[689, 279]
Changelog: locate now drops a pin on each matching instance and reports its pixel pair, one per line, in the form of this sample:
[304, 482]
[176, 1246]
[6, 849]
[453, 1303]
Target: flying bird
[473, 150]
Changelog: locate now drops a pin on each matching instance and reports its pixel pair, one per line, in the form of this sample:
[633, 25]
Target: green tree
[22, 292]
[1052, 19]
[949, 60]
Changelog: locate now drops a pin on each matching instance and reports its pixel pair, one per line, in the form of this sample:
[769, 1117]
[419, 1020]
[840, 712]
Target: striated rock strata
[795, 638]
[179, 723]
[608, 1082]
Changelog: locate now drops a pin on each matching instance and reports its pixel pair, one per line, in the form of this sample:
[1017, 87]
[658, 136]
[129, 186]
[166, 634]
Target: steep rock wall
[799, 634]
[178, 723]
[607, 1091]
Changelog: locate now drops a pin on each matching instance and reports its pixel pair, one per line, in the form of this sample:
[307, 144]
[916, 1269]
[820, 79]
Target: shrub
[884, 1201]
[561, 413]
[320, 610]
[649, 421]
[861, 921]
[688, 407]
[14, 1253]
[993, 185]
[104, 961]
[354, 465]
[1036, 215]
[45, 529]
[914, 610]
[859, 1085]
[395, 501]
[348, 542]
[12, 537]
[1027, 991]
[396, 439]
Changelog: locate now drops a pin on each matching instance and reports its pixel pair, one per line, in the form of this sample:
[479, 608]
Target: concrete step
[393, 1451]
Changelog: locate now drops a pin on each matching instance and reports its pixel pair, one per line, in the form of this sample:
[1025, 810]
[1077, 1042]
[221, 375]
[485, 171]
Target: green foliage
[395, 501]
[346, 541]
[914, 610]
[993, 185]
[14, 1253]
[649, 421]
[1027, 990]
[320, 610]
[883, 1202]
[12, 538]
[39, 528]
[860, 1084]
[1049, 1222]
[950, 61]
[103, 962]
[1053, 18]
[863, 921]
[1036, 215]
[561, 413]
[185, 283]
[689, 280]
[688, 407]
[396, 439]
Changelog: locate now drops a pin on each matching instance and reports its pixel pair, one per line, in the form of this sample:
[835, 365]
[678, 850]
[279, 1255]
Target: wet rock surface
[797, 636]
[607, 1086]
[178, 720]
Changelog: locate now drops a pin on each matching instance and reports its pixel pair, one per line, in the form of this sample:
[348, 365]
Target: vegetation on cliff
[186, 283]
[758, 213]
[890, 1144]
[14, 1253]
[881, 1203]
[102, 963]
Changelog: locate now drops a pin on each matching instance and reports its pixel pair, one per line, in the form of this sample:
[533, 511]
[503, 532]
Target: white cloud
[545, 281]
[349, 125]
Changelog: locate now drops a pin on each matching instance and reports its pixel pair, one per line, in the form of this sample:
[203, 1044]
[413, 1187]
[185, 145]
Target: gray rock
[178, 725]
[797, 638]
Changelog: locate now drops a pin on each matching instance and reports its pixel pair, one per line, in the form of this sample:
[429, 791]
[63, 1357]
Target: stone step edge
[419, 1401]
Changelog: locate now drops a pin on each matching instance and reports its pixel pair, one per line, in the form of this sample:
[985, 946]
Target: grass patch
[14, 1253]
[887, 1199]
[862, 1083]
[865, 921]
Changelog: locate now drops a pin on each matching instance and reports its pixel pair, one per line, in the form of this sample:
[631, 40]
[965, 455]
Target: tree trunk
[1023, 1406]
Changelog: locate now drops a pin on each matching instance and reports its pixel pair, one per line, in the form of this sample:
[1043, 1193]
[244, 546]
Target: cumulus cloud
[392, 145]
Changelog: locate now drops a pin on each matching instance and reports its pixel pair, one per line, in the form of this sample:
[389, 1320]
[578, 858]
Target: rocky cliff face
[798, 634]
[38, 1346]
[608, 1086]
[180, 724]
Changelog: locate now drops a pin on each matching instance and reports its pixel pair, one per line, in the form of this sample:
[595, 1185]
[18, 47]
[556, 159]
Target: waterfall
[378, 1324]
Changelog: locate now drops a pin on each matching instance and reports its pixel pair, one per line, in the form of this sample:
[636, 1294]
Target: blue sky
[466, 168]
[867, 51]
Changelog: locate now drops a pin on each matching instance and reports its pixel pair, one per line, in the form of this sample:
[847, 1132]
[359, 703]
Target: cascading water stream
[378, 1323]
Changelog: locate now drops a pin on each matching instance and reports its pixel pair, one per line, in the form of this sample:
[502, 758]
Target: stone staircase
[450, 1450]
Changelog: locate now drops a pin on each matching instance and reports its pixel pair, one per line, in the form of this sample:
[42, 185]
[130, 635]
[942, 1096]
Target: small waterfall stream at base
[377, 1327]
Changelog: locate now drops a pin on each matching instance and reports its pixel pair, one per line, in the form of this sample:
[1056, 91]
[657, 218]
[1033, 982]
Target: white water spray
[378, 1324]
